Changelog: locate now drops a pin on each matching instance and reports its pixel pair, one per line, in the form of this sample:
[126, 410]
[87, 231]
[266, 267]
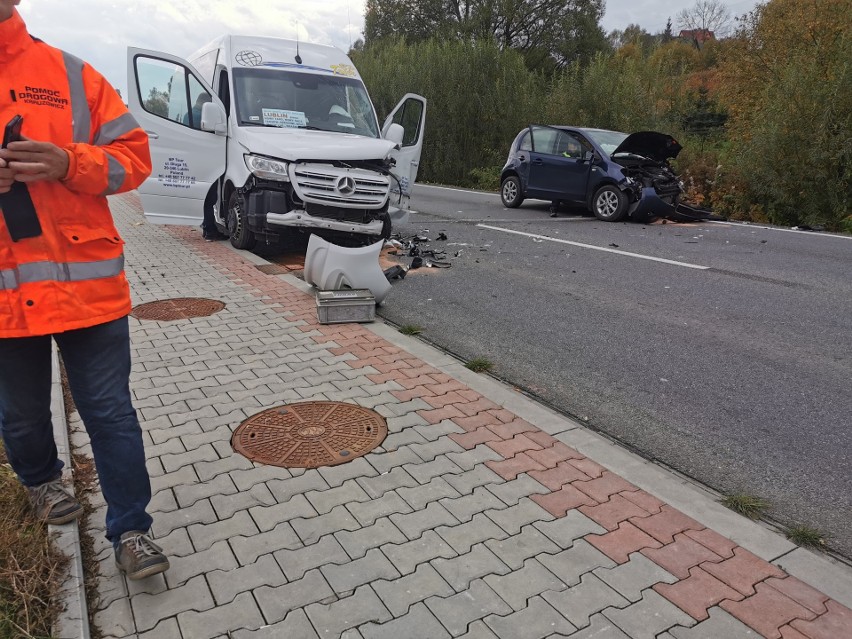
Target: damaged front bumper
[650, 204]
[301, 219]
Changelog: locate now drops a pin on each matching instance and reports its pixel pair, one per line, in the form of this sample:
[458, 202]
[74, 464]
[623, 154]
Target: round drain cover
[177, 309]
[309, 434]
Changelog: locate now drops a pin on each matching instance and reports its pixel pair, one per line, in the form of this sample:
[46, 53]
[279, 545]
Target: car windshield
[278, 98]
[607, 140]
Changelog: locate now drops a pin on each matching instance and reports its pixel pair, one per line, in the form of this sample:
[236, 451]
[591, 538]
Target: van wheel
[241, 236]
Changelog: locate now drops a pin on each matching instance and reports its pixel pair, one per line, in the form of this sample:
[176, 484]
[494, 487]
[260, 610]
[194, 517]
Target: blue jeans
[97, 361]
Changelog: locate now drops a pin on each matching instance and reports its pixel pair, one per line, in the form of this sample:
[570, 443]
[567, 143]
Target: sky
[99, 31]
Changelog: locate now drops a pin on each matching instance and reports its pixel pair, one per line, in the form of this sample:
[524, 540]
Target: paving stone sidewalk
[469, 521]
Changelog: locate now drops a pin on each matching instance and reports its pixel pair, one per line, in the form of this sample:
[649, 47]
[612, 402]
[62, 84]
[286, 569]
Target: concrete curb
[823, 572]
[73, 622]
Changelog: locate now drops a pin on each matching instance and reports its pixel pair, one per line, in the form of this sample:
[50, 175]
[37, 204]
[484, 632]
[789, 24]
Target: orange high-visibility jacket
[72, 276]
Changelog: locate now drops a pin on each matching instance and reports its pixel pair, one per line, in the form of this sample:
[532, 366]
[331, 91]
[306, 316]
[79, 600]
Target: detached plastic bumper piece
[332, 267]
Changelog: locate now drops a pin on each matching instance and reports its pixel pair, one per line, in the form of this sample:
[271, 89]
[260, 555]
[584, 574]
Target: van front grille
[343, 187]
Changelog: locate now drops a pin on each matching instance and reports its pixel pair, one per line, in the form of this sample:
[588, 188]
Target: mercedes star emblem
[346, 185]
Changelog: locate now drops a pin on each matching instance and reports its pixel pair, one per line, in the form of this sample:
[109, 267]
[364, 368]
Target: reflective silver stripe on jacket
[114, 129]
[79, 102]
[60, 272]
[116, 175]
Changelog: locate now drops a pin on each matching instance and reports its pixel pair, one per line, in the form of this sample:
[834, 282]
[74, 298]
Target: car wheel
[510, 192]
[241, 236]
[609, 204]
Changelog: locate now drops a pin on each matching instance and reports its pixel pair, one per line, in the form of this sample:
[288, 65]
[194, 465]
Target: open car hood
[650, 144]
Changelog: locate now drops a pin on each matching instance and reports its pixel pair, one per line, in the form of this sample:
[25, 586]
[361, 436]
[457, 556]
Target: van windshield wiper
[275, 126]
[252, 123]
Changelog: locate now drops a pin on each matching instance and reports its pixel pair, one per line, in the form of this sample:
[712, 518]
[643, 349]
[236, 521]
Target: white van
[273, 137]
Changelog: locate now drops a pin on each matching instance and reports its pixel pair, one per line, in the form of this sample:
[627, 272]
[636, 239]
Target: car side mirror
[213, 118]
[395, 134]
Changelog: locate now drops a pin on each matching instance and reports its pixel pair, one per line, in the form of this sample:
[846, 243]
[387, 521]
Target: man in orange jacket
[63, 278]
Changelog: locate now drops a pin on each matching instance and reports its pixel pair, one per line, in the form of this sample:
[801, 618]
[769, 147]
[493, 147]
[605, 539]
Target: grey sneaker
[139, 557]
[53, 503]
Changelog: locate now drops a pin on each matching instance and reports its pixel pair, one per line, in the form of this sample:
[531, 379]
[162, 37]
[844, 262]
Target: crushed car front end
[650, 183]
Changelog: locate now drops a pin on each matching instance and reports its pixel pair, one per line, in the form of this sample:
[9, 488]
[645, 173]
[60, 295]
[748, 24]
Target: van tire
[238, 230]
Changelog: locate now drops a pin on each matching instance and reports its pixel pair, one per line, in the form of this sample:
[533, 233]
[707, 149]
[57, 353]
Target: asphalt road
[723, 351]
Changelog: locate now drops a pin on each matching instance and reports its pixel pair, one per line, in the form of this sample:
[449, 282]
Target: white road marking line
[518, 220]
[747, 226]
[446, 188]
[774, 228]
[596, 248]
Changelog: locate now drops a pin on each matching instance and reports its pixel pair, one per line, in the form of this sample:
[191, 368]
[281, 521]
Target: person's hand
[32, 161]
[7, 176]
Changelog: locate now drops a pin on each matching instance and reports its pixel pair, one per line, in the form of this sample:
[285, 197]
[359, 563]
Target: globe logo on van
[249, 58]
[346, 185]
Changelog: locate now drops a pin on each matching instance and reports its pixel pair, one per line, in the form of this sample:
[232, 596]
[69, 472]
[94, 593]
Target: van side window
[170, 91]
[198, 97]
[206, 65]
[409, 117]
[225, 91]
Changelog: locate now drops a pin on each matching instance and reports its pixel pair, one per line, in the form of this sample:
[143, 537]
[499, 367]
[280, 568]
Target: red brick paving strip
[712, 569]
[698, 592]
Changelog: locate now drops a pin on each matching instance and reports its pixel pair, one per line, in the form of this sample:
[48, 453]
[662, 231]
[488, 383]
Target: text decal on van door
[283, 118]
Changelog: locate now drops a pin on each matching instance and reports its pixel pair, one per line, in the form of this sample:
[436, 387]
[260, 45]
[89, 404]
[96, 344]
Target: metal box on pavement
[346, 305]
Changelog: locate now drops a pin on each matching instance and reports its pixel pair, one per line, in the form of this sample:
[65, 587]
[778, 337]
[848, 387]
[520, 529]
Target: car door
[558, 170]
[166, 96]
[410, 113]
[522, 155]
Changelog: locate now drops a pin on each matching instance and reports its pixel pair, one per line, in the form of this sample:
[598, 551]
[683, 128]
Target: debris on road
[418, 248]
[395, 272]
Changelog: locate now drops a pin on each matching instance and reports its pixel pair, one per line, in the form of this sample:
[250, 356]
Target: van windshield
[273, 97]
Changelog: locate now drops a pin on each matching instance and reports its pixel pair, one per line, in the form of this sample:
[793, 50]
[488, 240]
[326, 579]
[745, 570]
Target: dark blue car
[613, 174]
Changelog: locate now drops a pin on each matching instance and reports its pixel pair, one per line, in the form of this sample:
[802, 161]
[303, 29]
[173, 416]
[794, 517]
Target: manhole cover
[309, 434]
[273, 269]
[177, 309]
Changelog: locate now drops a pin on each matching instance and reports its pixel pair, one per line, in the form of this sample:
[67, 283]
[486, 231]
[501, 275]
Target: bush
[479, 98]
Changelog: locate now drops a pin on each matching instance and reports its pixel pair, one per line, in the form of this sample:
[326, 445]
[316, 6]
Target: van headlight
[266, 168]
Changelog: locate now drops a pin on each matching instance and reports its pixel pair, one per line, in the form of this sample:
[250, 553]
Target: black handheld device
[17, 206]
[12, 132]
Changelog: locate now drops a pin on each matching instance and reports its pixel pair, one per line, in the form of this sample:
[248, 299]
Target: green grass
[410, 329]
[31, 568]
[479, 365]
[747, 505]
[805, 536]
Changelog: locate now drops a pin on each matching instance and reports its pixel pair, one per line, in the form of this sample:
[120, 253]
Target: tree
[553, 32]
[633, 34]
[667, 36]
[787, 86]
[706, 16]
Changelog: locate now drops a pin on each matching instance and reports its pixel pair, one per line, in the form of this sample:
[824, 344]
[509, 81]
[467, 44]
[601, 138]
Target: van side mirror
[395, 134]
[213, 118]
